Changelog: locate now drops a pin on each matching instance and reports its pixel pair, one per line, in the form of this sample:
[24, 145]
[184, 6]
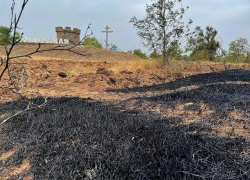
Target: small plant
[64, 45]
[176, 69]
[18, 76]
[68, 74]
[138, 80]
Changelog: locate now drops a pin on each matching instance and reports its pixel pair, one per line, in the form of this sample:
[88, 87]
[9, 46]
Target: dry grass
[176, 68]
[117, 67]
[133, 66]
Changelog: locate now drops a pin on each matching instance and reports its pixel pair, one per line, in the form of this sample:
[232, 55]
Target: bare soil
[92, 54]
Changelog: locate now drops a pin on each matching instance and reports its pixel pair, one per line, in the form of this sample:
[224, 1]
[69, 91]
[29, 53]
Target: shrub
[139, 53]
[5, 36]
[155, 55]
[92, 42]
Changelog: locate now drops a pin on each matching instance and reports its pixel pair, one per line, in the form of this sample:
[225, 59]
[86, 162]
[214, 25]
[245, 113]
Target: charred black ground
[73, 138]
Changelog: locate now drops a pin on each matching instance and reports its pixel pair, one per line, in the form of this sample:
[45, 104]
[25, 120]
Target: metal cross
[107, 31]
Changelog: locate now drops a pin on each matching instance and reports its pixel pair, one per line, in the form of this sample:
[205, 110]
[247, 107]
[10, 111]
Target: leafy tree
[6, 36]
[139, 53]
[203, 44]
[162, 29]
[155, 55]
[239, 49]
[176, 53]
[92, 42]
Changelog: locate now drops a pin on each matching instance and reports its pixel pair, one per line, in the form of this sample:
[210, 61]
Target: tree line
[165, 34]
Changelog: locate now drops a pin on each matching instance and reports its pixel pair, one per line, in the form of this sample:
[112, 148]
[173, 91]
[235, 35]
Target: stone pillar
[60, 33]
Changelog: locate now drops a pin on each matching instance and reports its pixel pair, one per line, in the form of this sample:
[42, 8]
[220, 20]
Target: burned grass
[74, 138]
[221, 101]
[233, 75]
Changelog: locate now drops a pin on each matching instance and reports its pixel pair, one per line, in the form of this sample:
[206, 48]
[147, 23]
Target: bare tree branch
[27, 109]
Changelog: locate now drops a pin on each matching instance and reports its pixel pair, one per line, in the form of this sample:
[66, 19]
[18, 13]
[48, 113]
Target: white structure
[49, 40]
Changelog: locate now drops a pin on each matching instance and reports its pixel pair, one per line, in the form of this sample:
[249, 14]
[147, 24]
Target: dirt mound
[104, 71]
[92, 54]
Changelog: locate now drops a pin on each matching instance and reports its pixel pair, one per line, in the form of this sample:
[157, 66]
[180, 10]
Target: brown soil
[92, 54]
[77, 78]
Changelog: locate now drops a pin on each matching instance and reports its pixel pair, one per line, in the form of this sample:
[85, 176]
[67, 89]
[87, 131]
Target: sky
[231, 18]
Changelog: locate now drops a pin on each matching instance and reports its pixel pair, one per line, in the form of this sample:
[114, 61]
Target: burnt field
[192, 128]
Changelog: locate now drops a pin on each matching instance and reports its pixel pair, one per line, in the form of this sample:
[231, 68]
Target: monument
[72, 35]
[107, 32]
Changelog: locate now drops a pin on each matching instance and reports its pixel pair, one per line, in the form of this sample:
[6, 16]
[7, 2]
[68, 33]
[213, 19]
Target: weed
[68, 73]
[18, 75]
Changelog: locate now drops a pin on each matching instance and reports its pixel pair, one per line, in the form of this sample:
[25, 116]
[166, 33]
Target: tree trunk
[164, 54]
[165, 58]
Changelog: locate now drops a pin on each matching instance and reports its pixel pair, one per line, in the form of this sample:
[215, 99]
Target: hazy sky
[230, 17]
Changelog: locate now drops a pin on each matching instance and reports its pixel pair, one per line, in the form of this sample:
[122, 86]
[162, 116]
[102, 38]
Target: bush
[6, 37]
[155, 55]
[236, 59]
[92, 42]
[139, 53]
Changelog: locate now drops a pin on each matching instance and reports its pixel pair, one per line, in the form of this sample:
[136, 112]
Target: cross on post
[107, 32]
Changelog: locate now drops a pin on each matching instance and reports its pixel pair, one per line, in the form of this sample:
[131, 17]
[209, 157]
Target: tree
[239, 49]
[203, 44]
[92, 42]
[176, 53]
[155, 55]
[162, 29]
[5, 36]
[139, 53]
